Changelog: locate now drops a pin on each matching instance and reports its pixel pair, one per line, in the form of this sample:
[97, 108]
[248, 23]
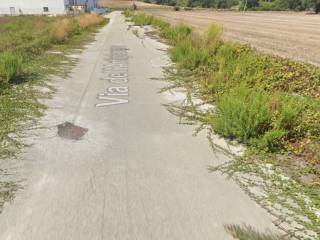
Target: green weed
[248, 233]
[10, 66]
[242, 114]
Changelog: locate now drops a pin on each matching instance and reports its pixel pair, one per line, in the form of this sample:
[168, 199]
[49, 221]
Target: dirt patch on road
[291, 35]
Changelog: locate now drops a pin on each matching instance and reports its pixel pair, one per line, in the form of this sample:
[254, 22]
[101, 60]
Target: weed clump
[249, 233]
[10, 66]
[60, 30]
[87, 20]
[243, 114]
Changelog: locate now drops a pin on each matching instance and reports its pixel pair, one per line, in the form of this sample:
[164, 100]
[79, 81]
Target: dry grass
[60, 30]
[87, 20]
[62, 27]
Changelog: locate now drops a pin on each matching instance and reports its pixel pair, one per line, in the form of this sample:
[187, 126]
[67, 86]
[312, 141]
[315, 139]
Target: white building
[48, 7]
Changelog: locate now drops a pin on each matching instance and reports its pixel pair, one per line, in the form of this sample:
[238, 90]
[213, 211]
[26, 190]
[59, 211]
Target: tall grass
[25, 37]
[65, 27]
[10, 66]
[60, 30]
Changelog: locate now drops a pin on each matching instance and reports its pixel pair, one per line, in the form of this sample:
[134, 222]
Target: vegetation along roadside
[241, 5]
[32, 49]
[268, 103]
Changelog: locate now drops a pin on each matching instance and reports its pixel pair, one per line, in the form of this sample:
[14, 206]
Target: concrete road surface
[136, 173]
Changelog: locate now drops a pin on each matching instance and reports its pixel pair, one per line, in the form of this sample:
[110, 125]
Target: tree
[317, 6]
[244, 4]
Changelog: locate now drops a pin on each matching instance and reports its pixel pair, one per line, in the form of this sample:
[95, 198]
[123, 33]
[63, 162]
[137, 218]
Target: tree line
[272, 5]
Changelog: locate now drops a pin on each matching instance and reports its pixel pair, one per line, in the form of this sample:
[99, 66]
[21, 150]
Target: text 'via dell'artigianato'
[116, 73]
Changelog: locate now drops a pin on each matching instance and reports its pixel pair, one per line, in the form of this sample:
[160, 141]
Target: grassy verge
[32, 49]
[269, 103]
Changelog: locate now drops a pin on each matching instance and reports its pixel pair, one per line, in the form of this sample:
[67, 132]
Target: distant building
[45, 7]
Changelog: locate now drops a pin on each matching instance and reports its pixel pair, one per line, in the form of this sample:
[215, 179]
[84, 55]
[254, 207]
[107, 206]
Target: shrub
[248, 4]
[175, 34]
[176, 8]
[272, 140]
[212, 35]
[10, 66]
[288, 111]
[242, 113]
[317, 7]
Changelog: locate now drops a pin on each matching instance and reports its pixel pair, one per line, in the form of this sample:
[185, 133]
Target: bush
[242, 114]
[175, 34]
[188, 55]
[317, 7]
[247, 4]
[176, 8]
[287, 113]
[252, 116]
[10, 66]
[272, 140]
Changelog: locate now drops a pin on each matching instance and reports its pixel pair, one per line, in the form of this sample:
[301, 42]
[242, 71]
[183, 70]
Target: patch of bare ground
[287, 34]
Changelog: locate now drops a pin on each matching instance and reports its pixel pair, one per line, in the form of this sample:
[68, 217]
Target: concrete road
[136, 173]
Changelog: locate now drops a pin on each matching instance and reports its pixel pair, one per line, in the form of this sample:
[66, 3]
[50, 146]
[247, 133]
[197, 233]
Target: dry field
[292, 35]
[288, 34]
[120, 4]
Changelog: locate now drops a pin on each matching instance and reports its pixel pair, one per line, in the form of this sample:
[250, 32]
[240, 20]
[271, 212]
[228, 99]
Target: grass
[248, 233]
[10, 66]
[269, 103]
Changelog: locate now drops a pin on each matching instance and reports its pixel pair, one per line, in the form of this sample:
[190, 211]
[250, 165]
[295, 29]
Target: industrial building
[45, 7]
